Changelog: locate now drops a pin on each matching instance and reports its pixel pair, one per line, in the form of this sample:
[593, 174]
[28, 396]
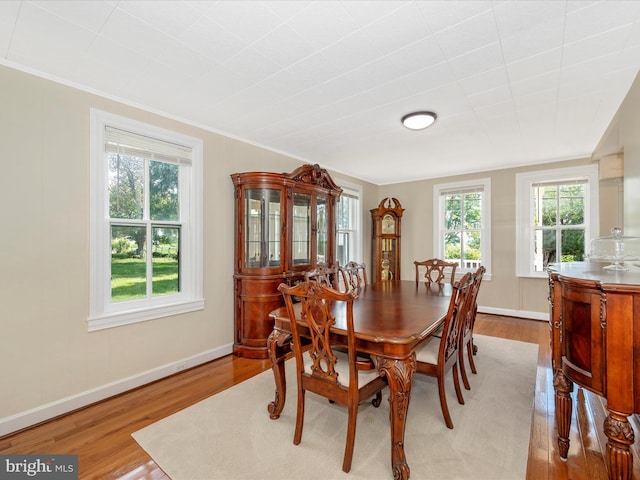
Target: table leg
[620, 437]
[275, 346]
[399, 374]
[564, 405]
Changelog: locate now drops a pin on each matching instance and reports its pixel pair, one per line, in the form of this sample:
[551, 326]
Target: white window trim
[524, 237]
[102, 313]
[359, 244]
[438, 215]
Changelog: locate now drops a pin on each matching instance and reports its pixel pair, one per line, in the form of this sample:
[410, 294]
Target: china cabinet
[385, 236]
[285, 224]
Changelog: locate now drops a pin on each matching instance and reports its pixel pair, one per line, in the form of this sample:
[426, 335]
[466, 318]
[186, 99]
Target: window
[463, 230]
[146, 222]
[557, 212]
[348, 239]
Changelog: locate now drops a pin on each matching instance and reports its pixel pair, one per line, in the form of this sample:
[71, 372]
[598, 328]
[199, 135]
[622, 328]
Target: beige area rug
[230, 436]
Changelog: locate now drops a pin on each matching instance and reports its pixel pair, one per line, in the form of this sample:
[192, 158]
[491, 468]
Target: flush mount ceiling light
[418, 120]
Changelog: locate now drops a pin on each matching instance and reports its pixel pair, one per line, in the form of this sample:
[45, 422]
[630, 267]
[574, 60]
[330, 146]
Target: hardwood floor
[101, 434]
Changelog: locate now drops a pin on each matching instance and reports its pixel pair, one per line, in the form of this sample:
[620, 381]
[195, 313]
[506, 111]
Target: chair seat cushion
[428, 351]
[342, 369]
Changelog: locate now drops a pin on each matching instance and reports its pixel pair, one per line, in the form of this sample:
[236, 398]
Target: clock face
[388, 224]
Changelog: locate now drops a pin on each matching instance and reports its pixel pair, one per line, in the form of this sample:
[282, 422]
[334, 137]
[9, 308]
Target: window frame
[103, 313]
[524, 210]
[355, 190]
[439, 220]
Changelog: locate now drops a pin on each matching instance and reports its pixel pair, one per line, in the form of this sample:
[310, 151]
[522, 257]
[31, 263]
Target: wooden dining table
[391, 320]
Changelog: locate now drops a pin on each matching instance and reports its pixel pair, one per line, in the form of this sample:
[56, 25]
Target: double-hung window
[557, 213]
[462, 233]
[349, 221]
[146, 222]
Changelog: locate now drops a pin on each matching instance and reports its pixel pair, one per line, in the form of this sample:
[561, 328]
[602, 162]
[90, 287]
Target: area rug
[229, 435]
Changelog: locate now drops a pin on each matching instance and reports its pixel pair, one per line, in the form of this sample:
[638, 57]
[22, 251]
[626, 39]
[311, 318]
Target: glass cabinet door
[301, 242]
[322, 233]
[262, 229]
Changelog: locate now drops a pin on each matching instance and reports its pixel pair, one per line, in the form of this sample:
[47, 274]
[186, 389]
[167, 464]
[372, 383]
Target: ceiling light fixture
[418, 120]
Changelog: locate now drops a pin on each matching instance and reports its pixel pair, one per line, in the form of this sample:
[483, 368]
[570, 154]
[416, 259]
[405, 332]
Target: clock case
[385, 240]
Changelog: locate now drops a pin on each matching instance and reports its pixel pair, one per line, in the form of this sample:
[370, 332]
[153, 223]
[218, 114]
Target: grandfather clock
[385, 236]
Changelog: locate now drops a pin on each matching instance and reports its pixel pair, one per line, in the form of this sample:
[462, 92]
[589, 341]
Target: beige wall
[504, 293]
[49, 362]
[622, 137]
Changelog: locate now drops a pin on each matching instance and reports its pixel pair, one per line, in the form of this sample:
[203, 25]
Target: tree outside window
[559, 229]
[146, 222]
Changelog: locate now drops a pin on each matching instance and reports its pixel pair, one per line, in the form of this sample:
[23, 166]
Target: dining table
[392, 319]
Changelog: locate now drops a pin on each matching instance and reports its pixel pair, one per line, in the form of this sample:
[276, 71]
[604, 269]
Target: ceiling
[512, 82]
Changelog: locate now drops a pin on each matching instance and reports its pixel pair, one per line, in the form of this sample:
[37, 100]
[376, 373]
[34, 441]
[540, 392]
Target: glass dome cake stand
[616, 249]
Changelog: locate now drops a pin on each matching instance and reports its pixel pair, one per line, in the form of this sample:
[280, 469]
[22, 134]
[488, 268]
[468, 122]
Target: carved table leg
[399, 374]
[563, 388]
[620, 437]
[276, 351]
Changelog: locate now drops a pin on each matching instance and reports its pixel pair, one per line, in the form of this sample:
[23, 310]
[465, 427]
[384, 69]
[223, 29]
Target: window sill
[110, 320]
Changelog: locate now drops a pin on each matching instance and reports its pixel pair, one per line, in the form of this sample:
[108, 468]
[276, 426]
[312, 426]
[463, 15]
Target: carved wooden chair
[325, 274]
[466, 333]
[439, 355]
[340, 377]
[355, 275]
[436, 270]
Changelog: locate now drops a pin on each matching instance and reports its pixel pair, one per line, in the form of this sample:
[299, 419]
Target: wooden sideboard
[595, 342]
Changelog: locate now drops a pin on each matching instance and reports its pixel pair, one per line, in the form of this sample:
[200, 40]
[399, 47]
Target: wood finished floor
[101, 434]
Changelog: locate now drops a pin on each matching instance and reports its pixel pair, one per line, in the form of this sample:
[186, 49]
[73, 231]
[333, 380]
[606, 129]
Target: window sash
[526, 265]
[102, 312]
[441, 192]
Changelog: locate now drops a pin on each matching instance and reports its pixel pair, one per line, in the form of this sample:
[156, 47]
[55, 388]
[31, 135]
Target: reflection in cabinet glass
[262, 240]
[285, 225]
[321, 229]
[301, 229]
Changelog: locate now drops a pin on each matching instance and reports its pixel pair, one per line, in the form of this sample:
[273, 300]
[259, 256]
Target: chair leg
[351, 436]
[463, 370]
[443, 402]
[297, 436]
[471, 351]
[377, 400]
[456, 383]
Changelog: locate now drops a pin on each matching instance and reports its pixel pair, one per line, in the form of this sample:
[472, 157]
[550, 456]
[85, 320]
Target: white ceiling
[512, 82]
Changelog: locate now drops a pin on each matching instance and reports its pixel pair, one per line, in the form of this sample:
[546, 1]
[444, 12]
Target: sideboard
[595, 343]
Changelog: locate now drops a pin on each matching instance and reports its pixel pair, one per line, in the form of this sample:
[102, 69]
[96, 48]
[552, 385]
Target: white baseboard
[515, 313]
[51, 410]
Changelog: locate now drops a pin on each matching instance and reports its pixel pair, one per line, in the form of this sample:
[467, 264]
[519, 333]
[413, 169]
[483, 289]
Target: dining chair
[325, 274]
[338, 376]
[436, 270]
[439, 355]
[355, 275]
[466, 332]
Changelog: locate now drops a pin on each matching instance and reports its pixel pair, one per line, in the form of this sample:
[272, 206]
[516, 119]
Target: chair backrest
[473, 301]
[325, 274]
[317, 303]
[436, 271]
[355, 275]
[456, 315]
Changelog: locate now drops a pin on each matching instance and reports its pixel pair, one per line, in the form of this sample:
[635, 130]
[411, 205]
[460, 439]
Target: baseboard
[51, 410]
[544, 316]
